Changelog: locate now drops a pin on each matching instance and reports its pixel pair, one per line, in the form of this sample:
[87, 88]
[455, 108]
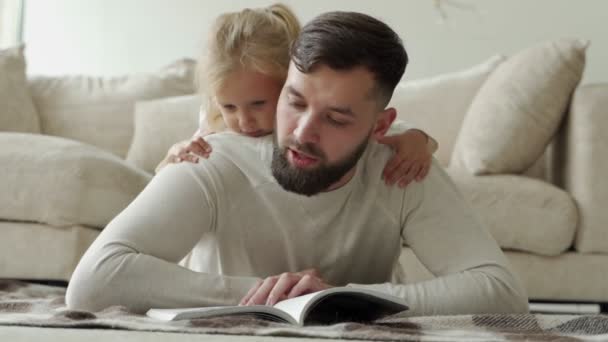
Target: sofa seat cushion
[39, 251]
[17, 110]
[521, 213]
[62, 182]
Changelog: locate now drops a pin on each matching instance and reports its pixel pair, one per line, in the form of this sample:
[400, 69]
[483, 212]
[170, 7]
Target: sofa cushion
[39, 251]
[438, 104]
[519, 108]
[17, 111]
[99, 110]
[158, 125]
[521, 213]
[63, 182]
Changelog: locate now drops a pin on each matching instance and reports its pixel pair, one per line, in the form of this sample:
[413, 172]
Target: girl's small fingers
[390, 177]
[194, 148]
[428, 169]
[204, 144]
[417, 172]
[390, 166]
[409, 176]
[172, 159]
[422, 174]
[402, 171]
[187, 157]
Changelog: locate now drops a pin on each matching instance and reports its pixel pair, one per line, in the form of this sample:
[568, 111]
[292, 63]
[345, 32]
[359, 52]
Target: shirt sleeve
[472, 275]
[134, 260]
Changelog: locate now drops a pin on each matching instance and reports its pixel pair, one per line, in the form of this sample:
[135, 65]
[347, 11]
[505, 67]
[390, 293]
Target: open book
[338, 304]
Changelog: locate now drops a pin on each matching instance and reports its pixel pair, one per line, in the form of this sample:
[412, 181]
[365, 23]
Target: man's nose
[307, 130]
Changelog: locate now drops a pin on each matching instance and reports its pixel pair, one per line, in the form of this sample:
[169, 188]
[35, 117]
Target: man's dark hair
[346, 40]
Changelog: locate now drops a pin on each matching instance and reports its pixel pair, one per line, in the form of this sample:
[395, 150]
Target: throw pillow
[17, 111]
[99, 110]
[438, 104]
[518, 109]
[158, 125]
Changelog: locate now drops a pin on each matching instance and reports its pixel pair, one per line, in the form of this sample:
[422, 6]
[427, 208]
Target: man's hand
[287, 285]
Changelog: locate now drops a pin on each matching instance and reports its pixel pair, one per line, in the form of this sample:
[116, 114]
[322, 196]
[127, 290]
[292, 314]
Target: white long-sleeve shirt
[229, 223]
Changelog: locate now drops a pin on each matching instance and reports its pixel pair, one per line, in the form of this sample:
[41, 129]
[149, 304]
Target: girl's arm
[414, 149]
[189, 150]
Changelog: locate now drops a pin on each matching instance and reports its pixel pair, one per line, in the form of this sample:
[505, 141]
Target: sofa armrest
[585, 165]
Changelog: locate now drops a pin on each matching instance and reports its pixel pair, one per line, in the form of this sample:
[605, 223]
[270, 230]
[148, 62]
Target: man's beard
[312, 181]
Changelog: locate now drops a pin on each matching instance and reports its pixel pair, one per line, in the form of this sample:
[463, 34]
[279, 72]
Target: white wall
[10, 22]
[110, 37]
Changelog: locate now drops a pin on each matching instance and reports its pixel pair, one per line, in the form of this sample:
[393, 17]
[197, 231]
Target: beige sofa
[82, 147]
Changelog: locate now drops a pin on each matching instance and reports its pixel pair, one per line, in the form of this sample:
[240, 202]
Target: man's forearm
[115, 274]
[486, 289]
[134, 261]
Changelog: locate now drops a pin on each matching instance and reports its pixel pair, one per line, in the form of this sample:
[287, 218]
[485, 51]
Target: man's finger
[311, 271]
[261, 295]
[304, 286]
[251, 292]
[282, 287]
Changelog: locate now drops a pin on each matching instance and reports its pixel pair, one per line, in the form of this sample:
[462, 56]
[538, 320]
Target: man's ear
[383, 122]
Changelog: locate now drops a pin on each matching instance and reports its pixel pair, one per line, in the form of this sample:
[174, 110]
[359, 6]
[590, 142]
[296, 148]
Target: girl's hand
[412, 159]
[187, 150]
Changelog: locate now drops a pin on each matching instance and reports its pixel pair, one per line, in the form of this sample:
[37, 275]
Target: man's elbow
[90, 287]
[514, 298]
[519, 304]
[83, 295]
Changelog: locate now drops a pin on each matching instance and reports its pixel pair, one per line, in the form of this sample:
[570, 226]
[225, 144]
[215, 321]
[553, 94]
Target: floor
[19, 334]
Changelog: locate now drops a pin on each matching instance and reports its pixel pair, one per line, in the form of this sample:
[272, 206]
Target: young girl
[241, 75]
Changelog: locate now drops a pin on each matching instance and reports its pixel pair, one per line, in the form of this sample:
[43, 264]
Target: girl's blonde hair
[256, 39]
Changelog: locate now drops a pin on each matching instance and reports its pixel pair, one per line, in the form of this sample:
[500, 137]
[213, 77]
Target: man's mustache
[307, 148]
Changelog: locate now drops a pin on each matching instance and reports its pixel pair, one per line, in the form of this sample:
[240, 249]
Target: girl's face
[248, 102]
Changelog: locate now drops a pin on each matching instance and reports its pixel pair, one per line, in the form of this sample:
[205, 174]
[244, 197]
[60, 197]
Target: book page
[341, 304]
[296, 307]
[260, 311]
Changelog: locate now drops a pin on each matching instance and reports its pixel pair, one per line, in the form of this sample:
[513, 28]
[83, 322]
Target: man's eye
[259, 103]
[336, 122]
[229, 107]
[297, 105]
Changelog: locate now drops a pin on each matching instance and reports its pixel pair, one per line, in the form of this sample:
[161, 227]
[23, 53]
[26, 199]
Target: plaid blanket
[26, 304]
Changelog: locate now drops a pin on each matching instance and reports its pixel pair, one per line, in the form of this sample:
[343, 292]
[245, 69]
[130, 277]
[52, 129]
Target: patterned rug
[27, 304]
